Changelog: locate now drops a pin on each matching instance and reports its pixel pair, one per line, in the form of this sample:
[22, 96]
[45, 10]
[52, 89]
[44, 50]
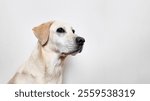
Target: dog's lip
[75, 51]
[79, 49]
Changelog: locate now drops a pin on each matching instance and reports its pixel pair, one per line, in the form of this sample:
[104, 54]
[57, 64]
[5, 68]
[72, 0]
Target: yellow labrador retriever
[56, 40]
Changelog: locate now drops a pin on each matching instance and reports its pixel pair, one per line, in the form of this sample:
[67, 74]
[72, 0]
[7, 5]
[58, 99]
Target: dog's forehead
[57, 24]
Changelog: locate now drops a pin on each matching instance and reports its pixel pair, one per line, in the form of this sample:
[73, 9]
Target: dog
[56, 40]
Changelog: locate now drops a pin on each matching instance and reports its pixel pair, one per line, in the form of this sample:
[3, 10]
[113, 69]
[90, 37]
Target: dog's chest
[54, 72]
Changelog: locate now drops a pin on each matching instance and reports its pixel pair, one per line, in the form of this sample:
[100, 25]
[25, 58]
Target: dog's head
[59, 37]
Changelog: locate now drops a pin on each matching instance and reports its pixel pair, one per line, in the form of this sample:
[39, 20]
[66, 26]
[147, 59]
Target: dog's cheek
[60, 44]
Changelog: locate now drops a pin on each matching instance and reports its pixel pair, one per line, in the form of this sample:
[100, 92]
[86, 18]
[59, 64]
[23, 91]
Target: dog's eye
[60, 30]
[73, 30]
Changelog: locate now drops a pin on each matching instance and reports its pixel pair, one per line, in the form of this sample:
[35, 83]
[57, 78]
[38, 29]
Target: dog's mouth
[78, 50]
[74, 52]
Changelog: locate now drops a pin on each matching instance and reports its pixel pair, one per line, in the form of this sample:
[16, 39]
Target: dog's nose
[80, 40]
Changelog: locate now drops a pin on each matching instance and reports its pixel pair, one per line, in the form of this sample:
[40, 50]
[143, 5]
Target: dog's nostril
[80, 40]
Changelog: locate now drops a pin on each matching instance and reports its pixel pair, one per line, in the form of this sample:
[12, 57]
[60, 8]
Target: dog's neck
[49, 63]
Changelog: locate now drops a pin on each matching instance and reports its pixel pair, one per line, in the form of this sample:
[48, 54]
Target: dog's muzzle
[80, 42]
[79, 46]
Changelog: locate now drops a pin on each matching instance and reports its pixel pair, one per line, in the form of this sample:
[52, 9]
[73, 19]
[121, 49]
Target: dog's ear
[42, 32]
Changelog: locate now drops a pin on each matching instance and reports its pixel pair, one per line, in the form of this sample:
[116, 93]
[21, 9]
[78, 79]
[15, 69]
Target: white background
[117, 33]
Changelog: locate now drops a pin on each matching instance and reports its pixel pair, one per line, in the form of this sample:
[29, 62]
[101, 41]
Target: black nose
[80, 40]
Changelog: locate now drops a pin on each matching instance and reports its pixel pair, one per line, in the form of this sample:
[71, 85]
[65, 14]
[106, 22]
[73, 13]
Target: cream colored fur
[45, 65]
